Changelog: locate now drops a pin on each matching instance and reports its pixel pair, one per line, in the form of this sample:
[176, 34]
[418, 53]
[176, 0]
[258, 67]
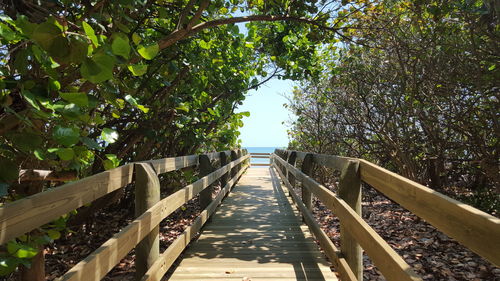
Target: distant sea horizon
[261, 149]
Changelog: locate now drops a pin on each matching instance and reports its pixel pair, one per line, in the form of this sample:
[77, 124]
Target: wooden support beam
[307, 166]
[223, 162]
[350, 192]
[147, 194]
[234, 156]
[205, 169]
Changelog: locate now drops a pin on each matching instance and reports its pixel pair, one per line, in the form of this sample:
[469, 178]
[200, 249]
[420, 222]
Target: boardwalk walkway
[255, 235]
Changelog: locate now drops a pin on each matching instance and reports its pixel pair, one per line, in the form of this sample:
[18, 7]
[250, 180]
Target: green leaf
[245, 113]
[98, 69]
[120, 45]
[9, 170]
[138, 69]
[53, 234]
[109, 135]
[136, 38]
[148, 52]
[90, 143]
[21, 250]
[131, 100]
[27, 141]
[39, 154]
[182, 106]
[122, 27]
[45, 34]
[64, 154]
[90, 33]
[204, 45]
[7, 33]
[66, 136]
[7, 265]
[79, 99]
[112, 162]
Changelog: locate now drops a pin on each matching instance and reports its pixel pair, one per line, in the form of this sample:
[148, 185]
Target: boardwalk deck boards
[256, 234]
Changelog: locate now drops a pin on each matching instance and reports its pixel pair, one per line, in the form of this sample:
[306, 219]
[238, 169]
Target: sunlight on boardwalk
[255, 234]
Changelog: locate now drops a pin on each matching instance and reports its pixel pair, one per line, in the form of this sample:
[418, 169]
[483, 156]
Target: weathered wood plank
[350, 192]
[271, 240]
[102, 260]
[165, 165]
[167, 258]
[392, 266]
[327, 245]
[147, 194]
[471, 227]
[26, 214]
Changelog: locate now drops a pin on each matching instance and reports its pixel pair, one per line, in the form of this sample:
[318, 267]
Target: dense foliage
[89, 85]
[418, 94]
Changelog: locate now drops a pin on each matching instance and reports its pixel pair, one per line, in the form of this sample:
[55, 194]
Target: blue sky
[265, 125]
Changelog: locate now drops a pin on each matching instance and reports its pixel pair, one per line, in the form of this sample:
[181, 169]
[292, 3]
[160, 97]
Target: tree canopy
[90, 85]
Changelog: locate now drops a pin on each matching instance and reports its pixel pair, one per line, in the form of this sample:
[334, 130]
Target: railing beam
[147, 194]
[307, 166]
[205, 169]
[350, 192]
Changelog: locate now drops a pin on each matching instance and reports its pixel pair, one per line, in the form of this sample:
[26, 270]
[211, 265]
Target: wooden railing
[471, 227]
[22, 216]
[259, 156]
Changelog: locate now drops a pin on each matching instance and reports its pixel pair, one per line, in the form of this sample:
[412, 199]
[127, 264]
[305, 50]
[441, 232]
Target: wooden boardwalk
[256, 234]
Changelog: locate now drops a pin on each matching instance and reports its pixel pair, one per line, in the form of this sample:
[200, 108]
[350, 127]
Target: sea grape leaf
[65, 135]
[148, 52]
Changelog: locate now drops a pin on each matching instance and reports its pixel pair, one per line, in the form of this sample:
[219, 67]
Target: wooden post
[205, 169]
[234, 156]
[307, 165]
[350, 192]
[147, 194]
[239, 165]
[223, 162]
[292, 157]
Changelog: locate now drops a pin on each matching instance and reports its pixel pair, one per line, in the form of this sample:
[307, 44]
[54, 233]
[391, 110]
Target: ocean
[269, 149]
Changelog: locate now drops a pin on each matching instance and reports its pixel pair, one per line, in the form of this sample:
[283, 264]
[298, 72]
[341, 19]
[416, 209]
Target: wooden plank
[165, 165]
[327, 245]
[263, 157]
[24, 215]
[261, 164]
[392, 266]
[147, 194]
[471, 227]
[252, 154]
[167, 258]
[281, 246]
[102, 260]
[350, 192]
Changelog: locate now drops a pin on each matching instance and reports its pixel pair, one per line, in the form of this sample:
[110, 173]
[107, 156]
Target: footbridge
[257, 222]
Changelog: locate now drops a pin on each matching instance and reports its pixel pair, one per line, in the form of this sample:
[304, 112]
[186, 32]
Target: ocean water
[269, 149]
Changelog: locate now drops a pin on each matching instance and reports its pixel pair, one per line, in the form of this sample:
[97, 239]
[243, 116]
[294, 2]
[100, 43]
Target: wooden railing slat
[26, 214]
[102, 260]
[471, 227]
[167, 258]
[165, 165]
[327, 245]
[392, 266]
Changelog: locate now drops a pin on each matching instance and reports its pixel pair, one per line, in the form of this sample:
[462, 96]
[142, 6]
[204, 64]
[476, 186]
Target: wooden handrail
[24, 215]
[392, 266]
[471, 227]
[102, 260]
